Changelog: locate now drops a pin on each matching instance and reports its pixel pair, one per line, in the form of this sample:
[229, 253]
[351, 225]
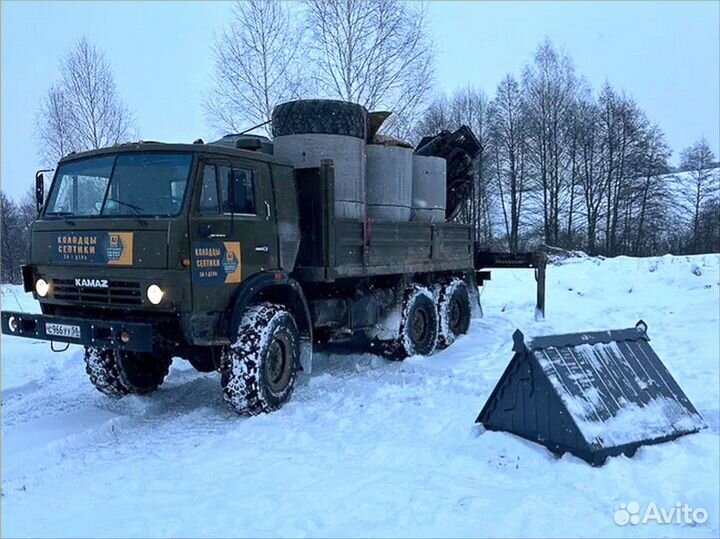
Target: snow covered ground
[366, 447]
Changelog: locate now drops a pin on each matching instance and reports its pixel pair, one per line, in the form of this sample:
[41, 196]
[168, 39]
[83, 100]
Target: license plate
[62, 330]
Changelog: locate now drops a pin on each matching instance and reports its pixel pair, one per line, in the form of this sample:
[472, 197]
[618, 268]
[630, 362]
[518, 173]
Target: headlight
[155, 294]
[42, 287]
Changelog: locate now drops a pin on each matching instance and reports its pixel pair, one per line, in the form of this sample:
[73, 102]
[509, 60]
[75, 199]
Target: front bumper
[127, 287]
[141, 337]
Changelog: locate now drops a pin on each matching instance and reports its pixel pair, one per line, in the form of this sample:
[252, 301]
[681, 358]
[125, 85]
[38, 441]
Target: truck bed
[333, 248]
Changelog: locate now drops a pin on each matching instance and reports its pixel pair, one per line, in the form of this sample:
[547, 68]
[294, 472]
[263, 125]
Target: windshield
[127, 184]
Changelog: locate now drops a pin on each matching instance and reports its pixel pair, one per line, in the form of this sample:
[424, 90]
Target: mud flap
[306, 356]
[476, 310]
[593, 395]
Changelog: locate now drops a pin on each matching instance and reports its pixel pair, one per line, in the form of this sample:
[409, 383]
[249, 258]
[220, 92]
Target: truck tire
[117, 373]
[455, 311]
[325, 116]
[418, 333]
[259, 370]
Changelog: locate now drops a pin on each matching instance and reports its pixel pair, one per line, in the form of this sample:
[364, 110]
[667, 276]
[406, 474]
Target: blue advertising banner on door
[93, 248]
[216, 262]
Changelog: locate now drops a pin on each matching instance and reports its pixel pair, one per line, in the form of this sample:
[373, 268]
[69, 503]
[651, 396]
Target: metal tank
[389, 182]
[428, 189]
[348, 155]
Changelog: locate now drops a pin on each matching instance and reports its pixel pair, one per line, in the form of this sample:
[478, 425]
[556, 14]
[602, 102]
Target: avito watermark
[680, 513]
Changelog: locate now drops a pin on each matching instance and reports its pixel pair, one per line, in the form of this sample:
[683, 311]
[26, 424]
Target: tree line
[565, 166]
[562, 165]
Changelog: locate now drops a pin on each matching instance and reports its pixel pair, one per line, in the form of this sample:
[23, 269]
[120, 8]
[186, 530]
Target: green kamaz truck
[237, 260]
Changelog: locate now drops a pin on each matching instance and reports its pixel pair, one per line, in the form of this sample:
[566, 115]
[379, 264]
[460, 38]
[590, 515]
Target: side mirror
[39, 191]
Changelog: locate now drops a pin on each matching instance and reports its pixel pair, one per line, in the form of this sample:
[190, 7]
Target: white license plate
[62, 330]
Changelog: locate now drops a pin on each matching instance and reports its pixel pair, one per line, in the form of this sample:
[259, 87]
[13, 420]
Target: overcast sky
[665, 54]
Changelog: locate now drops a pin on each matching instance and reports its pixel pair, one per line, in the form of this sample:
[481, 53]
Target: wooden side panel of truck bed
[333, 248]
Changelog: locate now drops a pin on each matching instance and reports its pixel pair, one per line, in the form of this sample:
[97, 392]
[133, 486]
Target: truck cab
[186, 218]
[147, 248]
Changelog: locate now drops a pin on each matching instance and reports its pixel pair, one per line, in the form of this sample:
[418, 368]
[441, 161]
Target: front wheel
[259, 370]
[117, 373]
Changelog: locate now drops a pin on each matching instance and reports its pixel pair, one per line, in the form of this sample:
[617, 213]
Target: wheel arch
[279, 288]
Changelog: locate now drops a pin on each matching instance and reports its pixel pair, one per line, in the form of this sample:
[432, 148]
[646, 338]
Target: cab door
[233, 231]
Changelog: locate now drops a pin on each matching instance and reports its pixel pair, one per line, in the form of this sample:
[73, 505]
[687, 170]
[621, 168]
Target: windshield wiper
[137, 209]
[62, 215]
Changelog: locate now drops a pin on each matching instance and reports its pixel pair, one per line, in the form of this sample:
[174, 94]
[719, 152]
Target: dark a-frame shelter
[592, 394]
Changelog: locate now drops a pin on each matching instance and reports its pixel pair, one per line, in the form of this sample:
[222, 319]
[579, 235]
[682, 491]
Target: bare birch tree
[54, 130]
[623, 133]
[257, 65]
[82, 110]
[98, 117]
[373, 52]
[549, 86]
[697, 160]
[508, 137]
[651, 194]
[591, 177]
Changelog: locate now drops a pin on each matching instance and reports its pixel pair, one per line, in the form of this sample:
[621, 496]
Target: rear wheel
[455, 311]
[117, 372]
[259, 370]
[418, 332]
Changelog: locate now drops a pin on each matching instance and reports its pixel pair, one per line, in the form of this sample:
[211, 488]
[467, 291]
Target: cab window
[209, 193]
[244, 191]
[224, 173]
[238, 190]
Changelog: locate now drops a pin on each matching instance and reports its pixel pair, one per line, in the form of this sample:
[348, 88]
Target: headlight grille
[117, 292]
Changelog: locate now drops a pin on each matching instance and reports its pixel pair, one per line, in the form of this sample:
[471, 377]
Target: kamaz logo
[91, 283]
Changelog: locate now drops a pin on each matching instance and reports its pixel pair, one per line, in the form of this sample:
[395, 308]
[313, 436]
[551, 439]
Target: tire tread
[324, 116]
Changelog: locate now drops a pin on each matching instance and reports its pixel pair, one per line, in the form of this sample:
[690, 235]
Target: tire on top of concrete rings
[314, 116]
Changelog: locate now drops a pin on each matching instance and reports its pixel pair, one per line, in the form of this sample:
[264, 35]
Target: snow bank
[366, 447]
